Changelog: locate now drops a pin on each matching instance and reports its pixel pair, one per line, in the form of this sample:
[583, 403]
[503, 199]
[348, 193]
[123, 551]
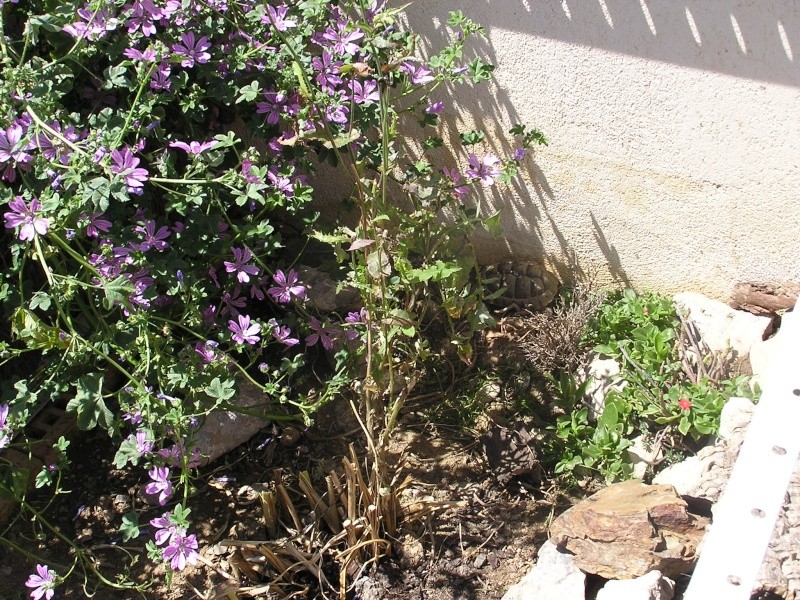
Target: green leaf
[127, 453]
[130, 526]
[89, 405]
[248, 93]
[117, 291]
[492, 224]
[437, 271]
[221, 390]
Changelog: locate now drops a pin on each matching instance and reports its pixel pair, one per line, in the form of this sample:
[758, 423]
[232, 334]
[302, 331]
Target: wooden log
[761, 298]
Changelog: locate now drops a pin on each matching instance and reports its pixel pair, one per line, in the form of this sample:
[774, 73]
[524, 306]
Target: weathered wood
[760, 298]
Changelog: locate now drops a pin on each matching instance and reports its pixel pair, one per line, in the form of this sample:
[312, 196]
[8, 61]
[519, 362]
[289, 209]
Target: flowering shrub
[154, 154]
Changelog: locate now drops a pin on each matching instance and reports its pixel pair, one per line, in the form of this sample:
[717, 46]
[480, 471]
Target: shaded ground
[469, 537]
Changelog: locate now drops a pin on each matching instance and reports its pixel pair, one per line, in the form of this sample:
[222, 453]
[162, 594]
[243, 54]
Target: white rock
[686, 475]
[736, 414]
[653, 586]
[722, 327]
[554, 577]
[764, 355]
[642, 455]
[602, 372]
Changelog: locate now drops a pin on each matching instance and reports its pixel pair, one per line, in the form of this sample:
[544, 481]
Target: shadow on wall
[756, 39]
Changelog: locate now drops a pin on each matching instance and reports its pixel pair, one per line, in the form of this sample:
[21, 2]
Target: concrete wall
[674, 135]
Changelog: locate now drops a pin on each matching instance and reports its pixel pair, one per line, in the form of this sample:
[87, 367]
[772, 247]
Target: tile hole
[734, 580]
[796, 392]
[779, 450]
[757, 512]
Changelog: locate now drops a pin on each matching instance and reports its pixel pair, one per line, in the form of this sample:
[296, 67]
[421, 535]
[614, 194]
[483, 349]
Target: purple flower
[126, 164]
[233, 302]
[244, 332]
[341, 41]
[272, 106]
[152, 238]
[133, 418]
[159, 80]
[96, 224]
[328, 69]
[194, 148]
[519, 154]
[434, 108]
[13, 152]
[94, 26]
[354, 318]
[241, 256]
[149, 55]
[286, 287]
[419, 75]
[192, 50]
[144, 444]
[458, 190]
[207, 350]
[143, 13]
[277, 16]
[6, 433]
[52, 147]
[322, 333]
[161, 485]
[365, 93]
[42, 583]
[165, 529]
[282, 334]
[486, 169]
[21, 214]
[280, 182]
[173, 455]
[182, 549]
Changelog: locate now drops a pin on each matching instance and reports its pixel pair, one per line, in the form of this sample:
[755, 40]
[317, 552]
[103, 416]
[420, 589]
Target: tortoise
[522, 285]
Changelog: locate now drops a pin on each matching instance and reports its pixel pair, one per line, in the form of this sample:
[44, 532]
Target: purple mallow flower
[282, 334]
[144, 444]
[161, 485]
[434, 108]
[322, 333]
[6, 433]
[458, 190]
[341, 41]
[27, 216]
[13, 152]
[277, 16]
[41, 583]
[207, 350]
[486, 169]
[152, 238]
[286, 287]
[354, 319]
[94, 26]
[127, 165]
[181, 550]
[173, 456]
[244, 332]
[419, 74]
[192, 50]
[364, 93]
[328, 71]
[241, 256]
[194, 148]
[519, 154]
[96, 224]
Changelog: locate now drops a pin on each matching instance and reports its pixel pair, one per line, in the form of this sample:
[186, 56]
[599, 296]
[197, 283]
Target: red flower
[684, 404]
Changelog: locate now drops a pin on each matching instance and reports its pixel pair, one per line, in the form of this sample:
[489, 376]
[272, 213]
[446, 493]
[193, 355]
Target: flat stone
[653, 586]
[554, 577]
[223, 430]
[629, 529]
[686, 475]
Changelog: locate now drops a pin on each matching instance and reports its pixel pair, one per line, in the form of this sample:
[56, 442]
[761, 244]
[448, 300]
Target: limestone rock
[687, 475]
[653, 586]
[722, 327]
[642, 454]
[554, 577]
[629, 529]
[222, 431]
[736, 415]
[764, 353]
[602, 372]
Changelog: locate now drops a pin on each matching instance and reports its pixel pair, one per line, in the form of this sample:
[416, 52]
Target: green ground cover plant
[657, 397]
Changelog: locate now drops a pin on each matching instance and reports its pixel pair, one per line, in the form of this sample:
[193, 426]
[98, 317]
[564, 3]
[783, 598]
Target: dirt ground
[475, 538]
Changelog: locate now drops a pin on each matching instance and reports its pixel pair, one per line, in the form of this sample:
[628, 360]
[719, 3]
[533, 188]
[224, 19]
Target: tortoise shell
[526, 285]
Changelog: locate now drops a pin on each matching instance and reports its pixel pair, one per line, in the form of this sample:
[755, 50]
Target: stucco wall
[674, 135]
